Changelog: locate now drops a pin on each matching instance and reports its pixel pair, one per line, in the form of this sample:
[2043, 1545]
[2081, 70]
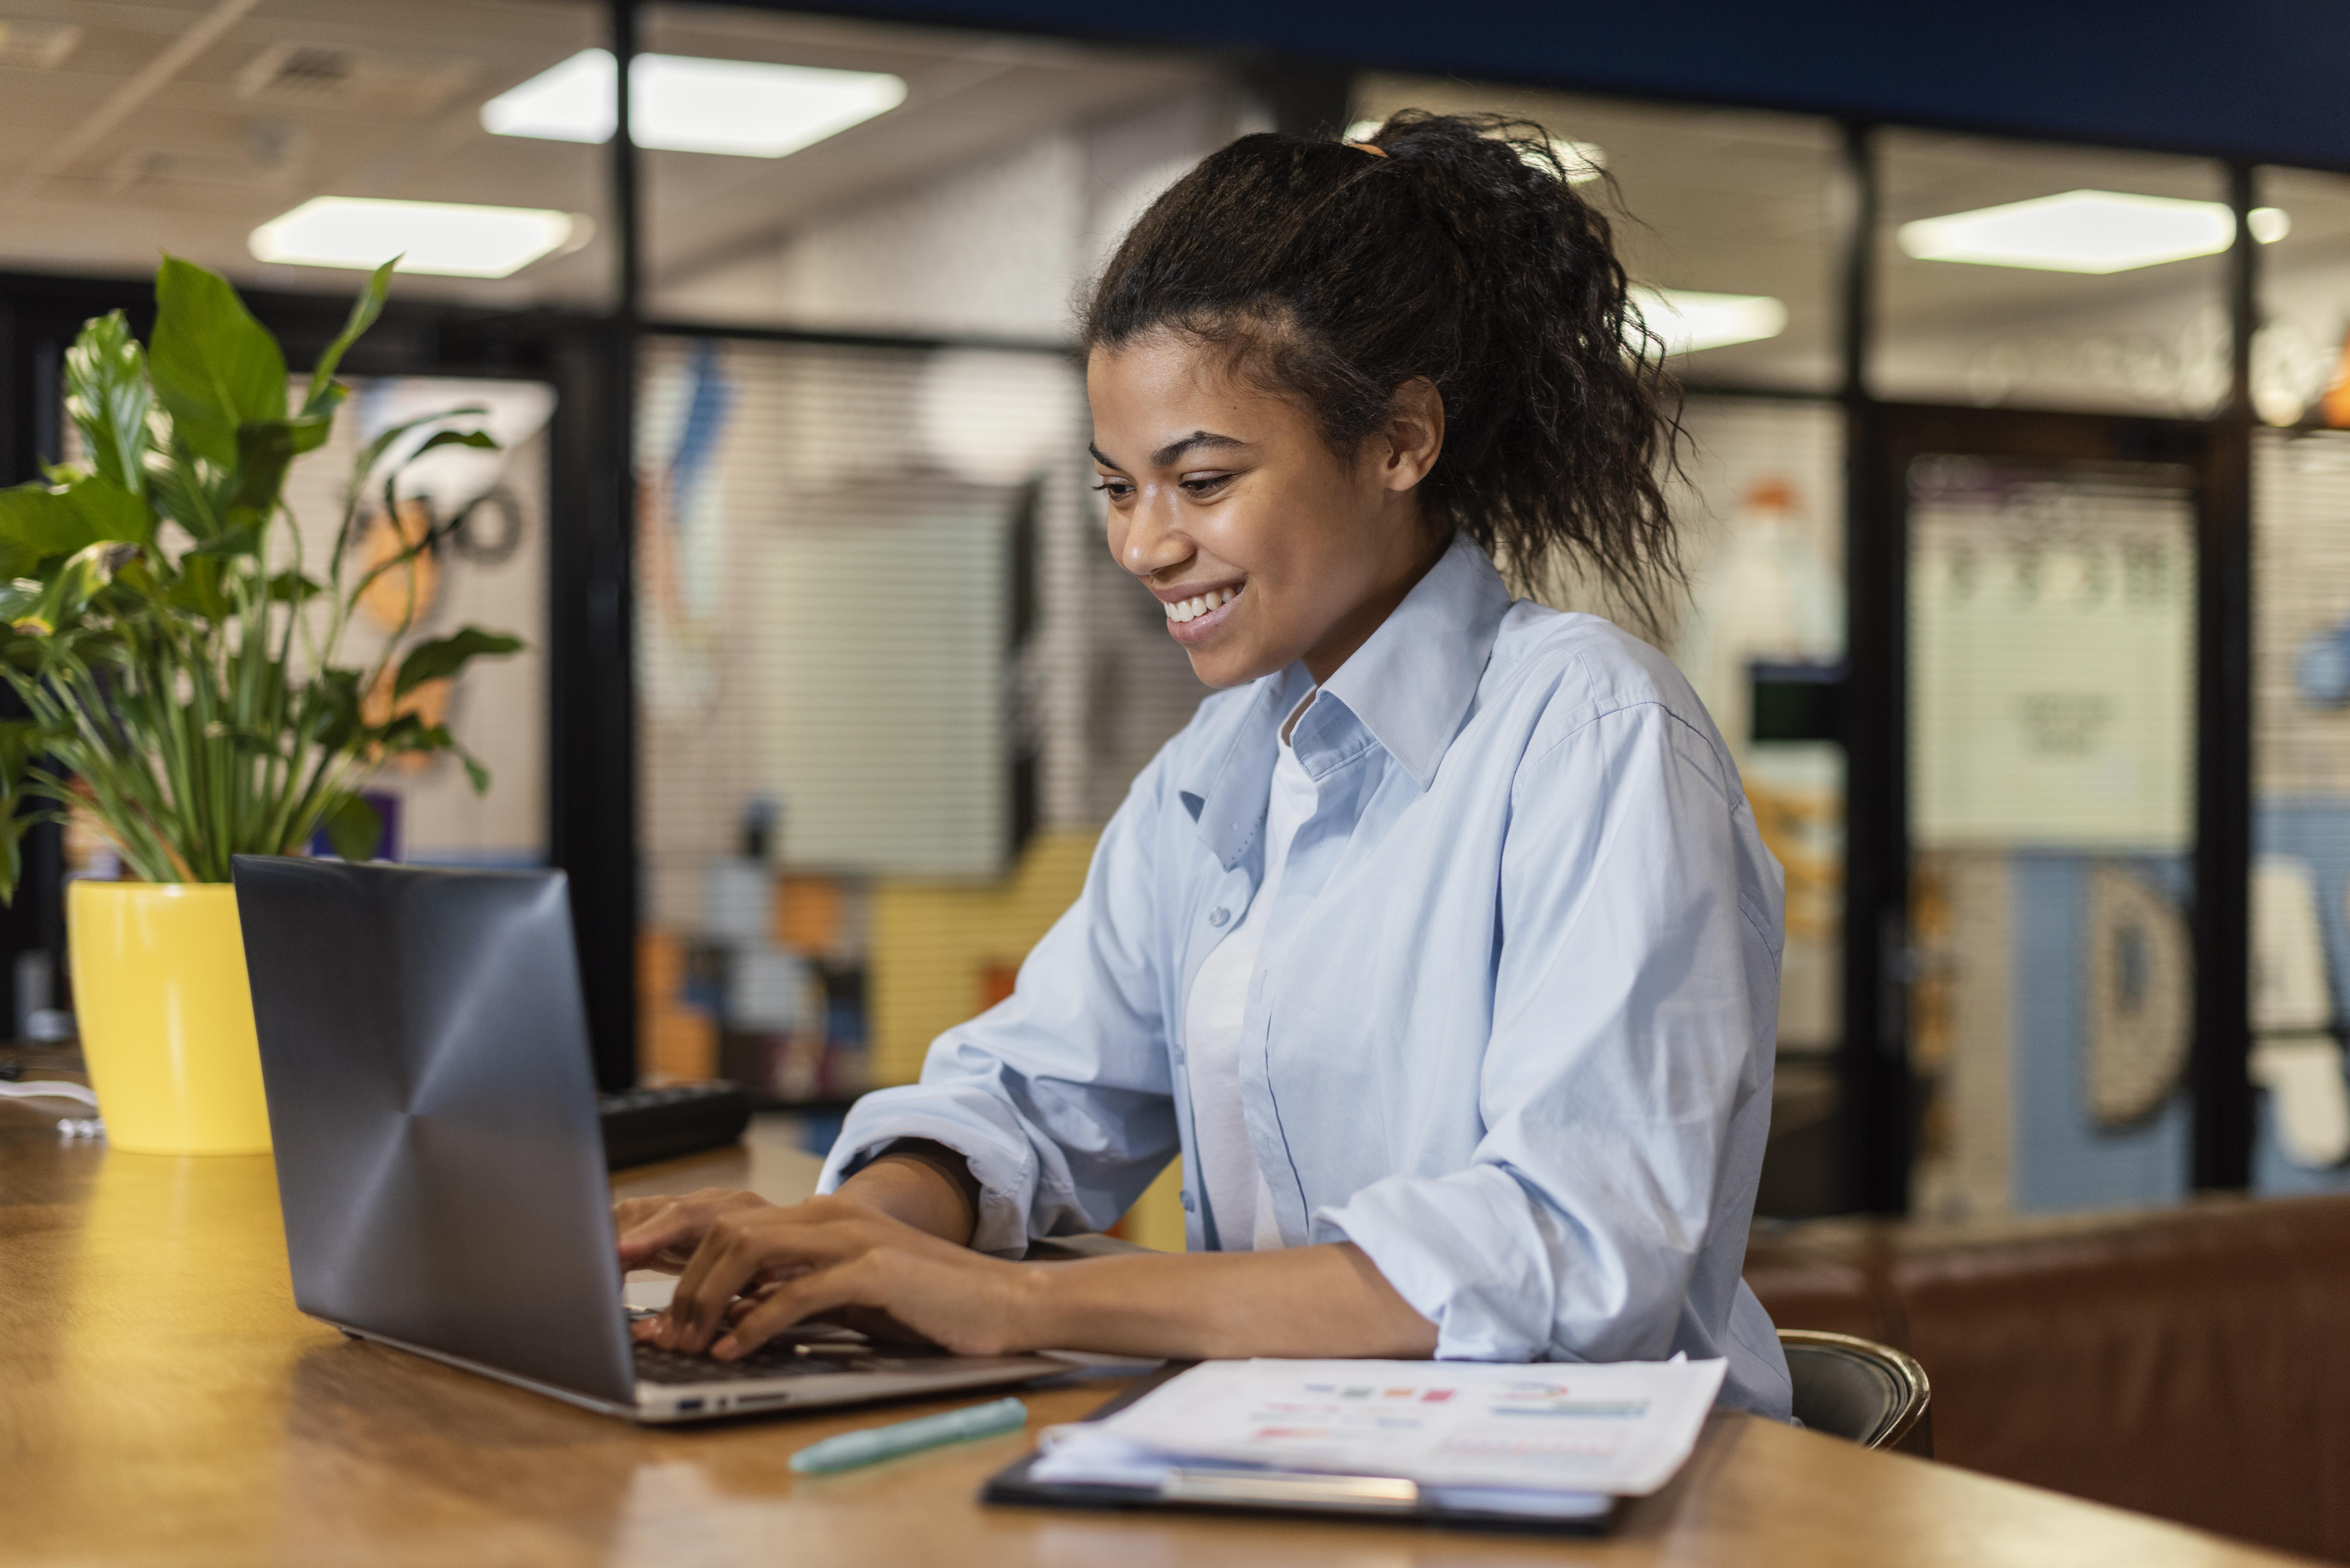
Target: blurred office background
[2017, 501]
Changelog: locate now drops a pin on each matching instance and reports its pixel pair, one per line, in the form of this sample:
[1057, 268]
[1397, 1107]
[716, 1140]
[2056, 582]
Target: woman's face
[1263, 544]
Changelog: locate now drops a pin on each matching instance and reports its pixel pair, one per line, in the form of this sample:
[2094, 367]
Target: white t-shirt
[1228, 1173]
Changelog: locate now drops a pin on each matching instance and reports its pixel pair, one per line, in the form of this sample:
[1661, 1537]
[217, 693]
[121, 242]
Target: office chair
[1859, 1390]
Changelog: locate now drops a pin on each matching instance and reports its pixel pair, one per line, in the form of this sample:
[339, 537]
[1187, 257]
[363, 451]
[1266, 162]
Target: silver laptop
[439, 1161]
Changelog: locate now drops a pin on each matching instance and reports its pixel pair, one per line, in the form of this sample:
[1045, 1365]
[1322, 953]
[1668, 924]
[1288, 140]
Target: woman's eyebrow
[1174, 448]
[1193, 442]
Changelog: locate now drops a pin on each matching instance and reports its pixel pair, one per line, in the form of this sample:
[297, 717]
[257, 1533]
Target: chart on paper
[1557, 1426]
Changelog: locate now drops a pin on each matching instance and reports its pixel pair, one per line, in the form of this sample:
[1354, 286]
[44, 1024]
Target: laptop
[424, 1049]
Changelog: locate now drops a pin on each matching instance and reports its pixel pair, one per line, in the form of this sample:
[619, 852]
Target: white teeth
[1199, 605]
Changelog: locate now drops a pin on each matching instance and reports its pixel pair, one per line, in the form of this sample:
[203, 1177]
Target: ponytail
[1462, 256]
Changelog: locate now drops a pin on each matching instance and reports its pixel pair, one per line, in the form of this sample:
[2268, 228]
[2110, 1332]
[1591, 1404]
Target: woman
[1439, 944]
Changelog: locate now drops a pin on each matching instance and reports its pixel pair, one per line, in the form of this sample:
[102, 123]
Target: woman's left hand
[828, 1257]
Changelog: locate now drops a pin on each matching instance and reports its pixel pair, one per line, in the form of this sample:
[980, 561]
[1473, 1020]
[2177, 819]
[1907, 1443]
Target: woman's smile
[1195, 614]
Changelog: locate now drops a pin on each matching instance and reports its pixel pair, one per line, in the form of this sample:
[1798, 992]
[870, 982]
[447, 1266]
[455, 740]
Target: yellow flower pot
[166, 1016]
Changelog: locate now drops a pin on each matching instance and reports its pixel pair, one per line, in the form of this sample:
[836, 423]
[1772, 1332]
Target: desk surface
[162, 1403]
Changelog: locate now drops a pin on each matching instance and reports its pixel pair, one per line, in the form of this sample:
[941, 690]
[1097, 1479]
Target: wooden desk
[162, 1403]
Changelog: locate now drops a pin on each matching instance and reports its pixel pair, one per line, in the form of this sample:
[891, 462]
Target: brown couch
[2192, 1362]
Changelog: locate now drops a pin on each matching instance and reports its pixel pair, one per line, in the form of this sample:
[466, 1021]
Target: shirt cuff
[1006, 1175]
[1456, 1248]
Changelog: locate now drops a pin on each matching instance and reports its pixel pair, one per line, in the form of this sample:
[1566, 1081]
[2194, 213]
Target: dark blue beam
[2260, 80]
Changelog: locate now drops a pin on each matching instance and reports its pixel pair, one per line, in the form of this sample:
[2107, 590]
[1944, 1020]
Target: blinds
[835, 566]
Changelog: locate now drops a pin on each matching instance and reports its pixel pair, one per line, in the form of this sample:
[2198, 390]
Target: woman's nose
[1151, 543]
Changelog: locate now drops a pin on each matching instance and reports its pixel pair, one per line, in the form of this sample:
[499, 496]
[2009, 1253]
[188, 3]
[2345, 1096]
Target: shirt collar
[1411, 682]
[1408, 686]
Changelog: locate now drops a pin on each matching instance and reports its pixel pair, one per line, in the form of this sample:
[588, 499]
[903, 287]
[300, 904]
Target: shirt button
[1219, 917]
[1188, 1205]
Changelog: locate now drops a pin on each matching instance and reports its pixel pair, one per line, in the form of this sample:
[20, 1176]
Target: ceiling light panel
[2093, 232]
[1689, 320]
[439, 238]
[679, 103]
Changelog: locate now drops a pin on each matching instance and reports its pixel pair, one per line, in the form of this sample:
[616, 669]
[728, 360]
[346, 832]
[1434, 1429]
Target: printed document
[1514, 1434]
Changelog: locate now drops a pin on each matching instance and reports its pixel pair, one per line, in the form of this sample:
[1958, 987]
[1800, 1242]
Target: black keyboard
[646, 1124]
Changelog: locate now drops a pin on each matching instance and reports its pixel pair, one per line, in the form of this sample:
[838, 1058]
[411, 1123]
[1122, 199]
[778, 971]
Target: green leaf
[245, 539]
[266, 449]
[452, 438]
[110, 512]
[21, 741]
[372, 453]
[354, 828]
[331, 718]
[12, 824]
[214, 366]
[107, 396]
[18, 599]
[324, 393]
[42, 521]
[406, 733]
[69, 589]
[198, 589]
[180, 492]
[447, 655]
[291, 587]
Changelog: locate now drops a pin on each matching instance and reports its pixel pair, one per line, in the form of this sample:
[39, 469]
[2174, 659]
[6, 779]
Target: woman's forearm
[921, 1191]
[1320, 1301]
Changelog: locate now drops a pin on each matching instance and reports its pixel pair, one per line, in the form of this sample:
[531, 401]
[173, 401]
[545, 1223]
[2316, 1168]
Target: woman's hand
[756, 1269]
[662, 1232]
[885, 1254]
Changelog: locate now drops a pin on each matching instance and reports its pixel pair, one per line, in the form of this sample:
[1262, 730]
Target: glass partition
[2063, 278]
[1724, 217]
[285, 147]
[2300, 825]
[2304, 301]
[1762, 638]
[2052, 743]
[889, 686]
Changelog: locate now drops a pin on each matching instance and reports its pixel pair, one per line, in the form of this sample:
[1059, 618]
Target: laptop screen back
[430, 1100]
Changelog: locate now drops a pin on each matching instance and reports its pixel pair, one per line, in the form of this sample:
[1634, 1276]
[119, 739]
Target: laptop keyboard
[788, 1359]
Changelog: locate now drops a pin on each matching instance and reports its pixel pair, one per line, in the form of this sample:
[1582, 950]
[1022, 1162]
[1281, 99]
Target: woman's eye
[1207, 485]
[1116, 489]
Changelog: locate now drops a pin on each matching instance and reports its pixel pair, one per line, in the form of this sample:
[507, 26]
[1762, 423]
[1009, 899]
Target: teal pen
[851, 1449]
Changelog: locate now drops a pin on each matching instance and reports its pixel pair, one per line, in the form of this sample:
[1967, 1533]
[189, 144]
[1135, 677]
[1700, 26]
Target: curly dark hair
[1463, 255]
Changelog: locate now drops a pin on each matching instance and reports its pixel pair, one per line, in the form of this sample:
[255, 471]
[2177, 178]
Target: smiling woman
[1264, 543]
[1440, 943]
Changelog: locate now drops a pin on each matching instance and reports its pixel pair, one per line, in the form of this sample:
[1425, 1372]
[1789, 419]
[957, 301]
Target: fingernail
[725, 1349]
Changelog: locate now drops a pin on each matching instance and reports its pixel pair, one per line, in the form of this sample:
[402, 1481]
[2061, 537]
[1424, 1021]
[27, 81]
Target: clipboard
[1296, 1493]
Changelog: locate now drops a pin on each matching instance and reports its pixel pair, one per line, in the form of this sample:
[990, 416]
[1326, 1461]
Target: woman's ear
[1414, 435]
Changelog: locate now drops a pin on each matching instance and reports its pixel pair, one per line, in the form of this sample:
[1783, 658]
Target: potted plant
[184, 682]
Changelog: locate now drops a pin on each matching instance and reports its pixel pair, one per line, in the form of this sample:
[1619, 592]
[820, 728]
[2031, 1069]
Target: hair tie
[1367, 147]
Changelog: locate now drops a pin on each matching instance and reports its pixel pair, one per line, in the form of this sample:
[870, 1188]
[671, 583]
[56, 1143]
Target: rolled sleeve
[1463, 1251]
[1060, 1096]
[978, 1127]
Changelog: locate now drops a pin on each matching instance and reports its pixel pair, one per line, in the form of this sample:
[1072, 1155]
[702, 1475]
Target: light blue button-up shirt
[1512, 1026]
